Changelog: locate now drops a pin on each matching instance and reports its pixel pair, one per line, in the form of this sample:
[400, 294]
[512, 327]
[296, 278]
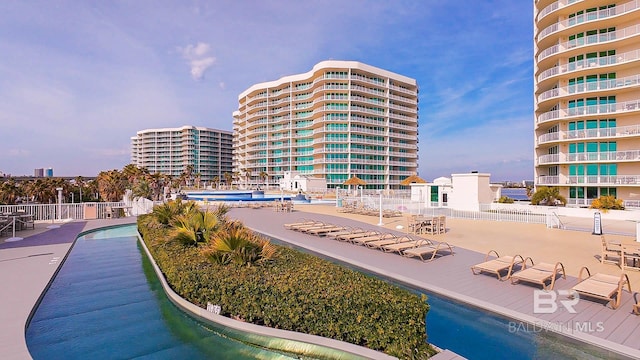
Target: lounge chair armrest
[524, 263]
[486, 258]
[580, 275]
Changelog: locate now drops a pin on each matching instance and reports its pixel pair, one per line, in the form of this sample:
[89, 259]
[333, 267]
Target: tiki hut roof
[355, 181]
[412, 179]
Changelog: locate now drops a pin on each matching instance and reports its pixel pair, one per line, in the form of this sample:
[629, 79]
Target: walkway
[26, 267]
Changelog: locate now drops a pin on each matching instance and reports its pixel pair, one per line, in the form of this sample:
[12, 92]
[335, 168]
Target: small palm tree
[238, 245]
[548, 196]
[195, 227]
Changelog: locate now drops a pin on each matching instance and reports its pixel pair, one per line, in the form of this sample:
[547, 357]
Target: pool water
[107, 303]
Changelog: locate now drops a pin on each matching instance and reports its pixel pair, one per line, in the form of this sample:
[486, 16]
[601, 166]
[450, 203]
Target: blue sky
[79, 78]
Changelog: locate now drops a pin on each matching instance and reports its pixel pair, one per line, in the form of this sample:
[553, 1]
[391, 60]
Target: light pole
[59, 203]
[380, 222]
[337, 194]
[72, 198]
[361, 195]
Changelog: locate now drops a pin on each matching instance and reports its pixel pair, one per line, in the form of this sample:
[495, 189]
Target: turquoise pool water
[107, 303]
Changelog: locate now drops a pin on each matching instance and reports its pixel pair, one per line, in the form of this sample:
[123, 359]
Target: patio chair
[424, 251]
[541, 273]
[630, 257]
[602, 286]
[610, 250]
[498, 265]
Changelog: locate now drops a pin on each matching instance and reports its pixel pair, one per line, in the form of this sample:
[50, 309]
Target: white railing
[590, 63]
[590, 86]
[589, 40]
[590, 16]
[632, 105]
[53, 212]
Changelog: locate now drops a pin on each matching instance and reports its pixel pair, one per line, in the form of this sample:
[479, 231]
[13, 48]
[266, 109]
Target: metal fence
[486, 211]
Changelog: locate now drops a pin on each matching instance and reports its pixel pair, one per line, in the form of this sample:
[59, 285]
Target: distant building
[49, 172]
[38, 173]
[170, 150]
[339, 120]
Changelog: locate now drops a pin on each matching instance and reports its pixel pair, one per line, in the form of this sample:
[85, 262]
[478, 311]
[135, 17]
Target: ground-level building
[294, 181]
[460, 192]
[339, 120]
[587, 99]
[170, 151]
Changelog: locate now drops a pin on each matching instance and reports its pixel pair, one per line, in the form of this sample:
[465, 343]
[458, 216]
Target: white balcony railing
[590, 40]
[621, 131]
[627, 106]
[588, 17]
[590, 63]
[590, 86]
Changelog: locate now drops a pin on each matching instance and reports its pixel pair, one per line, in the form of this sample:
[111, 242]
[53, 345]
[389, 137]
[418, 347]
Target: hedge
[298, 292]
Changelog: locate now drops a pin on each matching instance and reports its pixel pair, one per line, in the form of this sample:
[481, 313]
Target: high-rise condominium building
[587, 113]
[341, 119]
[170, 151]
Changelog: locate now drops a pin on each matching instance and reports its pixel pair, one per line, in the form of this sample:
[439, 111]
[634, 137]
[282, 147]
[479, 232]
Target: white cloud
[199, 58]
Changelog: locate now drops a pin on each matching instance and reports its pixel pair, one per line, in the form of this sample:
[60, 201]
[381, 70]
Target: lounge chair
[325, 230]
[356, 234]
[424, 251]
[363, 240]
[636, 308]
[299, 223]
[610, 250]
[539, 273]
[407, 243]
[498, 265]
[348, 230]
[303, 227]
[387, 239]
[310, 228]
[602, 286]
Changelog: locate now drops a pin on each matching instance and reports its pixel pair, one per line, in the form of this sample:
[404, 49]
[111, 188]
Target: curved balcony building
[341, 119]
[169, 151]
[587, 98]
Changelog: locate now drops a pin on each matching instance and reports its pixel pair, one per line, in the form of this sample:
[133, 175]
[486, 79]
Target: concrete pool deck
[27, 266]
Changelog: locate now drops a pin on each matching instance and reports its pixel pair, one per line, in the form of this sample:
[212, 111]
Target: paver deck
[450, 276]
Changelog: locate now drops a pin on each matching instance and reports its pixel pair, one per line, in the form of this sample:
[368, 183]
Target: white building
[339, 120]
[294, 181]
[170, 150]
[460, 192]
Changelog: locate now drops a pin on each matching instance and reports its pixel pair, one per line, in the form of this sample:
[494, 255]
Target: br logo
[546, 302]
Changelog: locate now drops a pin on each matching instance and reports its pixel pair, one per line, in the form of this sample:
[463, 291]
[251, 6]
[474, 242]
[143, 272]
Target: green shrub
[298, 292]
[505, 200]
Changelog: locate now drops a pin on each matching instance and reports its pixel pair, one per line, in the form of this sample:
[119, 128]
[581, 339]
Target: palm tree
[9, 192]
[216, 180]
[548, 196]
[264, 176]
[195, 227]
[228, 178]
[80, 183]
[111, 185]
[247, 177]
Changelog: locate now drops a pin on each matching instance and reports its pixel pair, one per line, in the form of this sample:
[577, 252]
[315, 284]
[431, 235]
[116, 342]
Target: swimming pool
[107, 303]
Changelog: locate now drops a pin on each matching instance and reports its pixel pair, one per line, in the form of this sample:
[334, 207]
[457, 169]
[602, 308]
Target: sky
[79, 78]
